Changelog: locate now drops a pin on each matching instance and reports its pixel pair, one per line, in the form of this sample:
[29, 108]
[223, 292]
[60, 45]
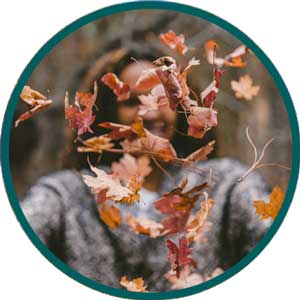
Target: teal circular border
[48, 47]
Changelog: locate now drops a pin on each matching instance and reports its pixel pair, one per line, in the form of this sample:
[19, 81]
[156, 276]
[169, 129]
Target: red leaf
[179, 256]
[119, 88]
[80, 115]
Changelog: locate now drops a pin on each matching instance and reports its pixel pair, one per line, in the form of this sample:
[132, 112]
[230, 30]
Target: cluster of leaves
[185, 210]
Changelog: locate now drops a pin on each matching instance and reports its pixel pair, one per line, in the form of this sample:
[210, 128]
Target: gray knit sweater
[63, 213]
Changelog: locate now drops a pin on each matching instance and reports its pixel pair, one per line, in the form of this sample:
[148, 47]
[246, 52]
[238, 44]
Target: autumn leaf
[136, 285]
[129, 166]
[115, 189]
[110, 215]
[244, 88]
[145, 226]
[200, 154]
[270, 209]
[119, 88]
[146, 81]
[178, 204]
[195, 224]
[35, 100]
[155, 100]
[96, 144]
[186, 280]
[201, 120]
[173, 41]
[208, 96]
[233, 59]
[179, 257]
[80, 116]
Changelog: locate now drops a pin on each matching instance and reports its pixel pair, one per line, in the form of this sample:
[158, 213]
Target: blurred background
[44, 143]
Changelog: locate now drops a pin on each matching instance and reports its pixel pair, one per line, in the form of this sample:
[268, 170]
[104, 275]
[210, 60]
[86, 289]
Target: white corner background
[25, 26]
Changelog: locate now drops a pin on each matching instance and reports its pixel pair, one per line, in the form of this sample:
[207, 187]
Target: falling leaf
[233, 59]
[110, 215]
[195, 225]
[173, 41]
[113, 186]
[80, 116]
[155, 100]
[244, 88]
[96, 144]
[136, 285]
[35, 100]
[146, 81]
[119, 88]
[201, 120]
[178, 204]
[271, 209]
[200, 154]
[129, 166]
[145, 226]
[179, 256]
[208, 96]
[186, 280]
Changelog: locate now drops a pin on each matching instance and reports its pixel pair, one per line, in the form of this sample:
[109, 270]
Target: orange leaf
[110, 215]
[136, 285]
[271, 209]
[173, 41]
[96, 144]
[119, 88]
[200, 154]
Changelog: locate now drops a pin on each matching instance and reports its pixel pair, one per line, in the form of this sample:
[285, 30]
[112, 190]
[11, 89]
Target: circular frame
[5, 141]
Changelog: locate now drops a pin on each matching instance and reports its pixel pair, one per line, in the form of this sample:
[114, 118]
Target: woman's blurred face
[160, 122]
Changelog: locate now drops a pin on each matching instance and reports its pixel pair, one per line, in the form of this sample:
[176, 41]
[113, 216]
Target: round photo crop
[150, 150]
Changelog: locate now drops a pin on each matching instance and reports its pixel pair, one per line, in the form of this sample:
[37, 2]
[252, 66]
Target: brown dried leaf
[96, 144]
[35, 100]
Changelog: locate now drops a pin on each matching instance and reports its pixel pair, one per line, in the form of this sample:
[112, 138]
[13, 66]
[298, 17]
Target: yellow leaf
[271, 209]
[136, 285]
[110, 215]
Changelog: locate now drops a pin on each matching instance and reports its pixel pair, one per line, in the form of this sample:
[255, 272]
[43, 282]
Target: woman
[63, 213]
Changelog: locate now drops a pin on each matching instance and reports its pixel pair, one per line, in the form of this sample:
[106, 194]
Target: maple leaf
[178, 204]
[196, 224]
[271, 209]
[96, 144]
[80, 116]
[119, 88]
[113, 186]
[110, 215]
[244, 88]
[129, 166]
[187, 279]
[173, 41]
[200, 154]
[135, 285]
[201, 120]
[35, 100]
[179, 256]
[145, 226]
[153, 101]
